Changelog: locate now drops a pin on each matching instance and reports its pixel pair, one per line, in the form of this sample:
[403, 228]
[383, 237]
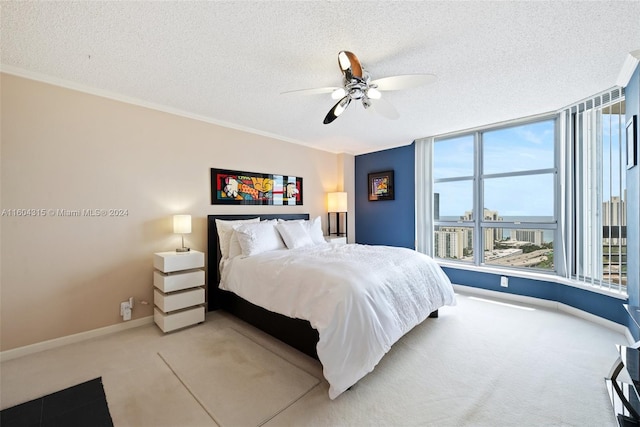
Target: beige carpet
[479, 364]
[226, 372]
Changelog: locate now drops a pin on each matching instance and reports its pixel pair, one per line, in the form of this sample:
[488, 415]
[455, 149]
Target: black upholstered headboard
[216, 296]
[297, 333]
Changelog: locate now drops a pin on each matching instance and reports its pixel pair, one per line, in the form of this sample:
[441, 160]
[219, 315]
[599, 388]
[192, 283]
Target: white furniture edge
[72, 339]
[169, 322]
[169, 312]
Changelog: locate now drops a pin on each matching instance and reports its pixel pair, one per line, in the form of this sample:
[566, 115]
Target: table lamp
[182, 225]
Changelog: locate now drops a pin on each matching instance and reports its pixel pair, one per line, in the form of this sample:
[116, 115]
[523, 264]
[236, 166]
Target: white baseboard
[547, 304]
[71, 339]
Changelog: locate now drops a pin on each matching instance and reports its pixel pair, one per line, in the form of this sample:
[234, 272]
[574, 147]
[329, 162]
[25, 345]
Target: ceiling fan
[358, 86]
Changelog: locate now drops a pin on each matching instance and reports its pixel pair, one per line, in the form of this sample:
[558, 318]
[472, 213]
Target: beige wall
[64, 149]
[346, 182]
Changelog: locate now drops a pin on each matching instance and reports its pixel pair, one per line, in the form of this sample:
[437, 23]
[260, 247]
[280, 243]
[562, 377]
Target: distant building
[449, 244]
[614, 214]
[532, 236]
[491, 235]
[490, 238]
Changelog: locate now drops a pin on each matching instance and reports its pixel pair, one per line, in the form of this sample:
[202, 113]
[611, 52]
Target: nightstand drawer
[177, 320]
[178, 300]
[178, 293]
[178, 281]
[176, 261]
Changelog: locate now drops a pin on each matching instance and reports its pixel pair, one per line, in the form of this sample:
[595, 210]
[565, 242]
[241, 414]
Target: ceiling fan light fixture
[342, 105]
[343, 61]
[373, 93]
[350, 65]
[337, 110]
[338, 93]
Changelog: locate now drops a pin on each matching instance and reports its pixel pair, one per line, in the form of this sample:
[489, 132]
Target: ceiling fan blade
[385, 109]
[406, 81]
[349, 64]
[312, 91]
[337, 110]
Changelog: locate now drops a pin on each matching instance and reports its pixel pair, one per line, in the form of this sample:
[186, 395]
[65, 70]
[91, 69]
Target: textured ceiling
[228, 62]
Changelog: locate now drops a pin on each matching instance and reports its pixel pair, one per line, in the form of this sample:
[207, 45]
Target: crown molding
[55, 81]
[629, 66]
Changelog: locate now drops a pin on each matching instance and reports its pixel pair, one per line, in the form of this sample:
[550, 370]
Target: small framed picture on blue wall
[381, 186]
[632, 142]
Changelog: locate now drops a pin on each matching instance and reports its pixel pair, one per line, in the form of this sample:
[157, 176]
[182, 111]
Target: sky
[613, 125]
[522, 148]
[528, 147]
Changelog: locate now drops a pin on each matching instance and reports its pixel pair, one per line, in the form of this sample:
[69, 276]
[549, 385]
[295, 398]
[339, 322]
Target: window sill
[550, 277]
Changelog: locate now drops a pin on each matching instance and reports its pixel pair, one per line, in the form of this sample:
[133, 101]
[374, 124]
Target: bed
[344, 305]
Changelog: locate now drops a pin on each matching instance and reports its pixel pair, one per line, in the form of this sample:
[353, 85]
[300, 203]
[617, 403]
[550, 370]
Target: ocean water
[547, 235]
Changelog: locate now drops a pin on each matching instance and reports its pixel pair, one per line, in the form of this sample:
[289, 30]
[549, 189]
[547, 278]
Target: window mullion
[478, 201]
[596, 205]
[622, 208]
[598, 184]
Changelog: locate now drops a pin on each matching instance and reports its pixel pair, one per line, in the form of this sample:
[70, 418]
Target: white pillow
[258, 238]
[280, 220]
[313, 227]
[225, 232]
[294, 234]
[315, 230]
[234, 245]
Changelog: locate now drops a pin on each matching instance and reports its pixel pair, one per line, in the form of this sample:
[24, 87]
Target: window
[453, 172]
[595, 137]
[509, 174]
[547, 195]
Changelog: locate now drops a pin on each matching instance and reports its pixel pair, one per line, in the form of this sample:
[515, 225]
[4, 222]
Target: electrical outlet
[125, 310]
[504, 281]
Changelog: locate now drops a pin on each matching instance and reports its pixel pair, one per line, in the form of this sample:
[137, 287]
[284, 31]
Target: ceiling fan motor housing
[357, 88]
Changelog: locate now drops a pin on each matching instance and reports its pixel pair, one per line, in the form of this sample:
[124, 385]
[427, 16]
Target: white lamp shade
[337, 202]
[182, 224]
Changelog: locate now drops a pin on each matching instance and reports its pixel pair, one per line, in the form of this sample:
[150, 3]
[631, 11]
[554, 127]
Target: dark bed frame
[295, 332]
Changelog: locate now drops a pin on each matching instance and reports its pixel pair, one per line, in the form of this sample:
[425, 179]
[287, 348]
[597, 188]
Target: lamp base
[338, 232]
[183, 249]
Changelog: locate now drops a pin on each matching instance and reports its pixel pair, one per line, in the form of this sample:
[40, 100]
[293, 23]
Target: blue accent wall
[386, 222]
[632, 107]
[604, 306]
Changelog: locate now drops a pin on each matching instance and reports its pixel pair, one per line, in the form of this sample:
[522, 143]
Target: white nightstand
[336, 239]
[179, 289]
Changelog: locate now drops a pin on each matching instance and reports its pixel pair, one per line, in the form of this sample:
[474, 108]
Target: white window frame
[478, 178]
[564, 193]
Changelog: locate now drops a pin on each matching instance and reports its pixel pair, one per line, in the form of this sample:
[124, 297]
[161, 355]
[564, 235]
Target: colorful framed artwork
[632, 142]
[229, 187]
[381, 186]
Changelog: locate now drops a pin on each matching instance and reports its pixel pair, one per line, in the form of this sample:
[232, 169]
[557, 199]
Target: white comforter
[360, 298]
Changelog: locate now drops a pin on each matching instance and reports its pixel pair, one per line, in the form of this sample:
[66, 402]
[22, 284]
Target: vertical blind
[596, 213]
